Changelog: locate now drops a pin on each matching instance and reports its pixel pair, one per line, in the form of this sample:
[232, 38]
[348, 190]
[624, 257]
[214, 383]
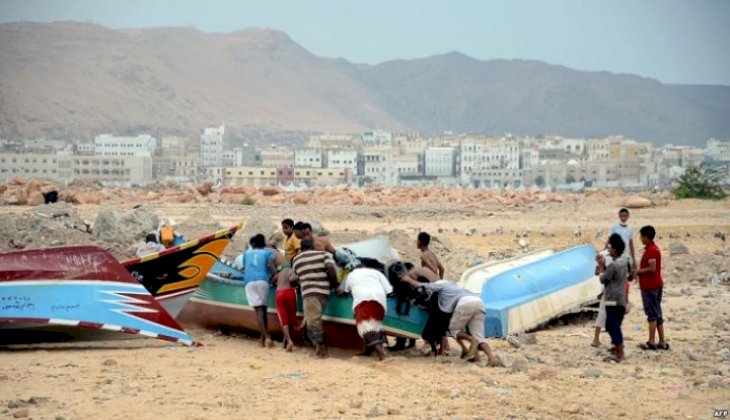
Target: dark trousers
[614, 318]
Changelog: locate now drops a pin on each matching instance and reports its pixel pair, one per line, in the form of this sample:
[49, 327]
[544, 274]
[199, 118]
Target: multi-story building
[120, 170]
[308, 158]
[332, 141]
[439, 161]
[376, 165]
[341, 159]
[255, 176]
[108, 145]
[211, 147]
[277, 157]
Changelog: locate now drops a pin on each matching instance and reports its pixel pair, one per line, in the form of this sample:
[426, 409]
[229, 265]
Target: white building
[439, 161]
[377, 165]
[118, 170]
[108, 145]
[341, 159]
[211, 147]
[308, 158]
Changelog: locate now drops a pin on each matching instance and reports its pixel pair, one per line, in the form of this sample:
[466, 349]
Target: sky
[673, 41]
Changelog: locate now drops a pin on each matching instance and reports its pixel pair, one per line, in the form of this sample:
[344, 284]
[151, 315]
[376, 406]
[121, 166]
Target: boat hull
[173, 275]
[79, 288]
[222, 304]
[528, 295]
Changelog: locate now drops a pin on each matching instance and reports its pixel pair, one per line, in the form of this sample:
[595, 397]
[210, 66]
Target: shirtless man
[320, 244]
[428, 258]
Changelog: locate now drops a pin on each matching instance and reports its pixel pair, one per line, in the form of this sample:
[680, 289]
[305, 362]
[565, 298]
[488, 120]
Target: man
[291, 244]
[369, 289]
[320, 244]
[467, 314]
[626, 232]
[316, 273]
[428, 258]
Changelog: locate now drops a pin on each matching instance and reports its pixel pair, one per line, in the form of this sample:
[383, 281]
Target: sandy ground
[559, 377]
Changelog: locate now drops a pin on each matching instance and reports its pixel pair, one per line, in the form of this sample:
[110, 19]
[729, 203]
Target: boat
[77, 292]
[173, 275]
[220, 303]
[523, 293]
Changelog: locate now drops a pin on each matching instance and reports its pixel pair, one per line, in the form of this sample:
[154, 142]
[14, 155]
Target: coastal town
[373, 157]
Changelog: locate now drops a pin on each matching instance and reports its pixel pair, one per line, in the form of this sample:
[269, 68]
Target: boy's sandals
[648, 346]
[654, 347]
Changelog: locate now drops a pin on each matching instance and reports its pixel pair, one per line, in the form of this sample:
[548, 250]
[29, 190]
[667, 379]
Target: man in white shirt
[369, 289]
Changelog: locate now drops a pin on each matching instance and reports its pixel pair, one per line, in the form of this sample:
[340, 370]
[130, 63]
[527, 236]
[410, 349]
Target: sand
[559, 377]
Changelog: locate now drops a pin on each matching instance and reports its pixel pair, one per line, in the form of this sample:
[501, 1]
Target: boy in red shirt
[652, 284]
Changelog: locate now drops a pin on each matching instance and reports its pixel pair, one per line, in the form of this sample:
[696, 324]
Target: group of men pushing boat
[309, 263]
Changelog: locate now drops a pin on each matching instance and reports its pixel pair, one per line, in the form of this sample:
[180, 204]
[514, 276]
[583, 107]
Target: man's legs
[313, 308]
[262, 320]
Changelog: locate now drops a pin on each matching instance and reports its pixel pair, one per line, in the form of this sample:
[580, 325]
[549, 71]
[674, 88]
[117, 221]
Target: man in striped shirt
[316, 273]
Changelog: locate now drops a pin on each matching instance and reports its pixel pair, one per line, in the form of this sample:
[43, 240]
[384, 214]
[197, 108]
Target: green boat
[220, 303]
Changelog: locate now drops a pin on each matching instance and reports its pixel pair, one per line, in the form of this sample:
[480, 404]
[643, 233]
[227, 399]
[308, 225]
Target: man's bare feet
[289, 346]
[596, 344]
[269, 342]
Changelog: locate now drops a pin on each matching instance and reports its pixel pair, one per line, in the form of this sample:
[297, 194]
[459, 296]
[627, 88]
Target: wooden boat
[74, 289]
[173, 275]
[525, 292]
[220, 303]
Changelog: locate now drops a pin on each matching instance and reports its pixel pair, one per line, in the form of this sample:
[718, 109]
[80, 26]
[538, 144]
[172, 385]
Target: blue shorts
[652, 300]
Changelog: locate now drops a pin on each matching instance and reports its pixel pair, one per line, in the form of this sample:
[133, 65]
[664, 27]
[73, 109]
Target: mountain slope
[76, 80]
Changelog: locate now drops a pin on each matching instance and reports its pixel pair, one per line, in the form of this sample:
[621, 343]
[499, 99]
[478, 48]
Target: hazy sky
[669, 40]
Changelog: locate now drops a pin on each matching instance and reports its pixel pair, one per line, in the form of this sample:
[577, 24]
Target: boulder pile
[22, 192]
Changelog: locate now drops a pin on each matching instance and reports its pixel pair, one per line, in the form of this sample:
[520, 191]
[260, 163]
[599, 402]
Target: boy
[286, 304]
[613, 278]
[652, 285]
[626, 232]
[291, 244]
[259, 269]
[428, 258]
[603, 259]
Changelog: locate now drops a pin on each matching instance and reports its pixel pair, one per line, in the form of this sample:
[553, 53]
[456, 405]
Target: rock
[318, 229]
[300, 198]
[635, 202]
[17, 404]
[572, 409]
[519, 365]
[677, 248]
[269, 191]
[35, 198]
[204, 188]
[592, 372]
[523, 243]
[520, 339]
[356, 403]
[110, 362]
[38, 400]
[258, 224]
[394, 411]
[21, 413]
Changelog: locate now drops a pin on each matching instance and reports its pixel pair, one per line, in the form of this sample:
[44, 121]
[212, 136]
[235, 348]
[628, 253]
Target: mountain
[75, 80]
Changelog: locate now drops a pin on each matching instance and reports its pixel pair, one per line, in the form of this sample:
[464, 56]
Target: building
[211, 147]
[439, 161]
[108, 145]
[308, 158]
[117, 170]
[332, 141]
[341, 159]
[255, 176]
[277, 157]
